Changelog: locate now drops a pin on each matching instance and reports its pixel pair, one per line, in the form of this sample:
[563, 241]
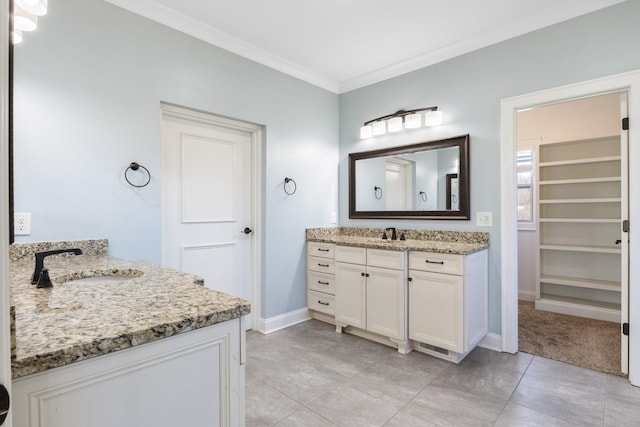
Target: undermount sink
[99, 277]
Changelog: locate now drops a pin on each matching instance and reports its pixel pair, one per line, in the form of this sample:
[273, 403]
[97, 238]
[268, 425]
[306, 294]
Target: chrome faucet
[40, 256]
[393, 232]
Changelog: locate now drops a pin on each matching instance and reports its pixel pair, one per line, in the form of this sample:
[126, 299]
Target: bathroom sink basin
[101, 277]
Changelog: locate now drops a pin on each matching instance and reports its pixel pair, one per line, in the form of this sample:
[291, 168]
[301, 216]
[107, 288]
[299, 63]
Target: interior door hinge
[625, 329]
[625, 123]
[625, 225]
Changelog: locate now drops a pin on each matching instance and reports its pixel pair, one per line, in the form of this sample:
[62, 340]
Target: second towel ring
[134, 167]
[287, 180]
[423, 196]
[377, 190]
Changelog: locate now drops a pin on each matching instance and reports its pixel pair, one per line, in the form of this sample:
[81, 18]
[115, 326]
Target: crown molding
[194, 28]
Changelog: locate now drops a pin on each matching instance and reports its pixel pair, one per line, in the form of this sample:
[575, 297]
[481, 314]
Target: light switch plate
[483, 219]
[22, 224]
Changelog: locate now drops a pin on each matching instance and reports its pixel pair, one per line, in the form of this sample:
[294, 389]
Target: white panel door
[207, 196]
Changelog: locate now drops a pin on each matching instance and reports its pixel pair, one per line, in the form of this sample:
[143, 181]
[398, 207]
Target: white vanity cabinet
[371, 293]
[321, 278]
[448, 302]
[191, 379]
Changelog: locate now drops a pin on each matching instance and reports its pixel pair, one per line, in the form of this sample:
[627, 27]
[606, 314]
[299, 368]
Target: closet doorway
[572, 203]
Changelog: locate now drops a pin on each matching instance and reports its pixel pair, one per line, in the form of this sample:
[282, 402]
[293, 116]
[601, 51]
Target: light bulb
[394, 124]
[35, 7]
[366, 131]
[412, 121]
[433, 118]
[16, 36]
[23, 20]
[379, 128]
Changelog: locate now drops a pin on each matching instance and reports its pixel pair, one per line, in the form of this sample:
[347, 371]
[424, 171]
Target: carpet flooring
[592, 344]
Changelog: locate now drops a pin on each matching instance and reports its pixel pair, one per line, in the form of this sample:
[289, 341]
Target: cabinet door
[386, 302]
[351, 294]
[436, 310]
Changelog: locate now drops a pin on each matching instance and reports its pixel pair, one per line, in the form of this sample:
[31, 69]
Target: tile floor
[308, 375]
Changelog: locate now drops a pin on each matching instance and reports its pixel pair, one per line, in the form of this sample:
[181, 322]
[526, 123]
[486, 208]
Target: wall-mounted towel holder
[134, 167]
[287, 186]
[377, 192]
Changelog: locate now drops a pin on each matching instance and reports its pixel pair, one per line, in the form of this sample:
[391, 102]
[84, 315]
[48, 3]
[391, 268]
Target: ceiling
[341, 45]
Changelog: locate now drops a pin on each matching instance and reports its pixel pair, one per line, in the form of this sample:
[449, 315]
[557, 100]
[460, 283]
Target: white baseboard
[526, 296]
[491, 341]
[285, 320]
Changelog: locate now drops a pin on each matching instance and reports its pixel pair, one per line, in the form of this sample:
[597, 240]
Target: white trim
[195, 28]
[526, 296]
[5, 337]
[629, 81]
[257, 219]
[171, 18]
[285, 320]
[491, 341]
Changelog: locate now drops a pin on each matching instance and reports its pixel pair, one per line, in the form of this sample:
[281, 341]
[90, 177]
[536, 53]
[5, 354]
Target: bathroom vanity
[123, 343]
[427, 293]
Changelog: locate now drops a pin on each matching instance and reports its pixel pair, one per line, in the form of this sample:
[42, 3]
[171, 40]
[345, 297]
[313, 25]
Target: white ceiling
[342, 45]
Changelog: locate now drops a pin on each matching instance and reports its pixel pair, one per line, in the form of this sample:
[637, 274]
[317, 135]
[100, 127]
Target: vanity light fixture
[407, 119]
[25, 17]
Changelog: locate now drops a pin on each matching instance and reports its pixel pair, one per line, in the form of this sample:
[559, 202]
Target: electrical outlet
[334, 217]
[22, 224]
[483, 219]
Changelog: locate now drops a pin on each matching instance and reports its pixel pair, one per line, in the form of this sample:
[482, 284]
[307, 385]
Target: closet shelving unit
[579, 227]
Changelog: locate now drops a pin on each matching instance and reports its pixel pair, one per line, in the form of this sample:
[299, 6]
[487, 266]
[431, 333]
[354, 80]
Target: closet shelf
[577, 248]
[581, 181]
[599, 200]
[575, 282]
[582, 220]
[584, 161]
[600, 310]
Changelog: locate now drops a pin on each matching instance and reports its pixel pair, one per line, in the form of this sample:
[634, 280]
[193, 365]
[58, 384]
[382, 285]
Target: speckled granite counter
[72, 321]
[449, 242]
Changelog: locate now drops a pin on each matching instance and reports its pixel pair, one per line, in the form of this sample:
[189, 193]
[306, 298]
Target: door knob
[4, 403]
[247, 230]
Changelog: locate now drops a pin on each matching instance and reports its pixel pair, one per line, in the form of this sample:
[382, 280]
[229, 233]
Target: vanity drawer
[386, 259]
[321, 302]
[324, 250]
[321, 282]
[437, 263]
[351, 255]
[323, 265]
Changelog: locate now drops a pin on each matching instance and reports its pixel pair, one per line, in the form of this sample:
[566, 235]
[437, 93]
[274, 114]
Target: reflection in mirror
[427, 180]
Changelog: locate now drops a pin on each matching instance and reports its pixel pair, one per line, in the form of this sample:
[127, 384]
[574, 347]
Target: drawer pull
[323, 303]
[323, 265]
[323, 250]
[434, 262]
[323, 283]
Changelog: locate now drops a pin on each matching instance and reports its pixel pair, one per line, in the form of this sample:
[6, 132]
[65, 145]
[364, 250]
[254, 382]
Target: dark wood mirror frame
[462, 142]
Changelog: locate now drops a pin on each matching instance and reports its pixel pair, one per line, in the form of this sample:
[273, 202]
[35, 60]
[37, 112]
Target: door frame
[257, 220]
[5, 336]
[629, 82]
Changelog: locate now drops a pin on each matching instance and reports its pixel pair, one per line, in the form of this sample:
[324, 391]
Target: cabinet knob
[362, 274]
[367, 275]
[409, 279]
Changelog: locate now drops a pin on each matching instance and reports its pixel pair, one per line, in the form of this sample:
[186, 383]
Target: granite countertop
[448, 242]
[72, 321]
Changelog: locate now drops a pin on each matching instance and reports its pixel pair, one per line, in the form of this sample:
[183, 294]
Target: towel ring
[134, 167]
[423, 196]
[295, 186]
[377, 190]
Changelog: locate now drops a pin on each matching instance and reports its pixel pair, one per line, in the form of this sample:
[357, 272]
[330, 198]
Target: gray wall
[88, 87]
[469, 89]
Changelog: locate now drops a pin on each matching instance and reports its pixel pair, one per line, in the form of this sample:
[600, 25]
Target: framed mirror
[429, 180]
